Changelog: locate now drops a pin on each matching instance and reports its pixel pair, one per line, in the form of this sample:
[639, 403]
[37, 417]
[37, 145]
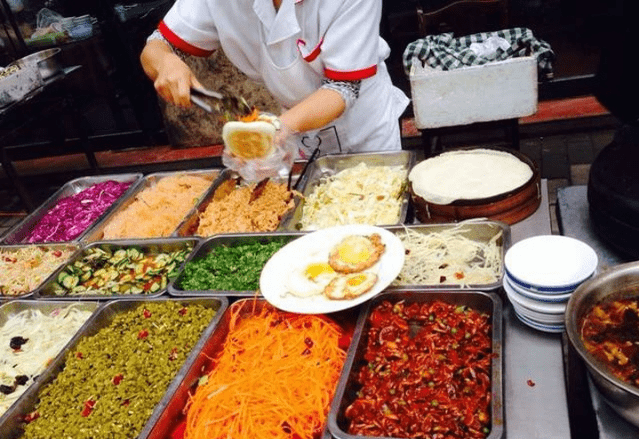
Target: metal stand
[44, 111]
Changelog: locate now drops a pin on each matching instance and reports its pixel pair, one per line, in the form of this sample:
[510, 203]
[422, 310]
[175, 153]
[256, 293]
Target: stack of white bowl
[541, 273]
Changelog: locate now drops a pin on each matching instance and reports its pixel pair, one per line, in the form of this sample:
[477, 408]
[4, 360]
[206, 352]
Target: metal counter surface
[575, 222]
[534, 386]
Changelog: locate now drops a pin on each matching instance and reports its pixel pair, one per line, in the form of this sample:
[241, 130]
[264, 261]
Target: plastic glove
[277, 164]
[286, 140]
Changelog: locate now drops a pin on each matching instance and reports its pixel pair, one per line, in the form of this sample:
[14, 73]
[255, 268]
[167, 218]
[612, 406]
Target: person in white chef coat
[322, 60]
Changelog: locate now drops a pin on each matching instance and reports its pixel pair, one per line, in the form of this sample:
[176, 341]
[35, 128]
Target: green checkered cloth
[444, 52]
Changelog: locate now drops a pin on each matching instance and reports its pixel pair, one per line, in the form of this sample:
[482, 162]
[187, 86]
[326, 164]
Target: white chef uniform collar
[280, 26]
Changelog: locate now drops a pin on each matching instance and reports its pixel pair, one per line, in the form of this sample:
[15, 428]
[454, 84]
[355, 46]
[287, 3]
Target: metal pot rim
[580, 302]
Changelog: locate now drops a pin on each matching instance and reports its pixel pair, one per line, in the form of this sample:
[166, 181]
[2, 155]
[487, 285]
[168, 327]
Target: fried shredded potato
[239, 212]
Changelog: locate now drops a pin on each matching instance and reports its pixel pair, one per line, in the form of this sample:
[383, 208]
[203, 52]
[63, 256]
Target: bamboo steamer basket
[509, 207]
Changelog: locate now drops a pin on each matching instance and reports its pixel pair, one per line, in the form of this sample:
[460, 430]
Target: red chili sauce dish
[428, 373]
[610, 333]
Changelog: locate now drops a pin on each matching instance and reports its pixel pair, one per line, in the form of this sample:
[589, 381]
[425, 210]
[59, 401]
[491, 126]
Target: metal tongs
[236, 105]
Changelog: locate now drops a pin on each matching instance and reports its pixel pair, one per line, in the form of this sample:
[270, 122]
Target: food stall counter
[534, 386]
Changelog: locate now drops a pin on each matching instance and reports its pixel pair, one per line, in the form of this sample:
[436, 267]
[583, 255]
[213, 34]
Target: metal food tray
[75, 247]
[480, 301]
[17, 234]
[332, 164]
[189, 226]
[172, 414]
[11, 423]
[97, 232]
[227, 240]
[160, 245]
[478, 230]
[16, 306]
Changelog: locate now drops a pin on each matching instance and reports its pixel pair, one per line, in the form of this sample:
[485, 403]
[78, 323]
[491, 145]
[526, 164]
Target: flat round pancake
[468, 175]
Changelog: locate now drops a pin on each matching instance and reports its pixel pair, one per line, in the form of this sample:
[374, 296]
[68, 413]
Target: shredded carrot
[273, 378]
[250, 117]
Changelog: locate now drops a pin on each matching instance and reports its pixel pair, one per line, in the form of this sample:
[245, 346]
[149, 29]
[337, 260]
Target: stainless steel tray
[22, 229]
[173, 414]
[481, 301]
[11, 423]
[477, 230]
[329, 165]
[189, 226]
[97, 232]
[228, 240]
[74, 246]
[17, 306]
[152, 246]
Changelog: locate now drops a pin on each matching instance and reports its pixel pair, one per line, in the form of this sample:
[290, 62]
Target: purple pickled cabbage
[74, 214]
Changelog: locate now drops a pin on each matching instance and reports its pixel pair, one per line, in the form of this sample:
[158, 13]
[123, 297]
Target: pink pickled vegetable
[74, 214]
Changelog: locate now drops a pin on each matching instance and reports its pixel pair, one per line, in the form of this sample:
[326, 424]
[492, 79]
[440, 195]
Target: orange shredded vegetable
[250, 117]
[274, 378]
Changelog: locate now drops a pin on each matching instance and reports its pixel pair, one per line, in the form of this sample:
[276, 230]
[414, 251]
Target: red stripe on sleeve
[180, 43]
[354, 75]
[314, 53]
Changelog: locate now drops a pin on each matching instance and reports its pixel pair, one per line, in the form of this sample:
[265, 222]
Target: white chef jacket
[291, 50]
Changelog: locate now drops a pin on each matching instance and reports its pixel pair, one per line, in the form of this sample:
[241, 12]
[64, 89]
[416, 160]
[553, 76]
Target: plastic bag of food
[259, 149]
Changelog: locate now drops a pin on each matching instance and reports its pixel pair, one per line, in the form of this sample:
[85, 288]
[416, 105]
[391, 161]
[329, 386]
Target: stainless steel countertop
[574, 221]
[534, 386]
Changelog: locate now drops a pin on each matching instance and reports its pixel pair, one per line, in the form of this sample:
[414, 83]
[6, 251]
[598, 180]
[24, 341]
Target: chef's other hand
[253, 170]
[286, 140]
[277, 164]
[174, 81]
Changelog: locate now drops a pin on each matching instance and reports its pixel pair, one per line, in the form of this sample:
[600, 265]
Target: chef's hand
[172, 78]
[277, 164]
[286, 141]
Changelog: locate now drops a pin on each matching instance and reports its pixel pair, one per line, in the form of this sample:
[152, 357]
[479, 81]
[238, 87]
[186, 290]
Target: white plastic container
[493, 91]
[18, 83]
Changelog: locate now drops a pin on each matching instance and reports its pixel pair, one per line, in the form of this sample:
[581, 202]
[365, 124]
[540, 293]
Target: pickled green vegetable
[112, 381]
[123, 271]
[231, 268]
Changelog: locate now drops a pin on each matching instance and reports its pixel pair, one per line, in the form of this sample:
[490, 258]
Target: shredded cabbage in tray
[24, 269]
[72, 215]
[45, 335]
[359, 195]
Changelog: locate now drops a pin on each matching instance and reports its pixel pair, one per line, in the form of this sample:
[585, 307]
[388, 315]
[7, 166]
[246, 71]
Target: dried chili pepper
[31, 416]
[88, 407]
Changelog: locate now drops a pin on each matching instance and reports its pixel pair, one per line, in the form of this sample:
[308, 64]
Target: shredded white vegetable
[449, 258]
[358, 195]
[46, 335]
[22, 270]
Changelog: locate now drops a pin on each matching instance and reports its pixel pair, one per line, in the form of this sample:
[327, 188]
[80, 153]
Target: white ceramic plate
[554, 329]
[273, 279]
[543, 319]
[533, 305]
[550, 262]
[540, 297]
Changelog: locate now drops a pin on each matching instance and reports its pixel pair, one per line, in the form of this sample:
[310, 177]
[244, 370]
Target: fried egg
[350, 286]
[356, 253]
[310, 278]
